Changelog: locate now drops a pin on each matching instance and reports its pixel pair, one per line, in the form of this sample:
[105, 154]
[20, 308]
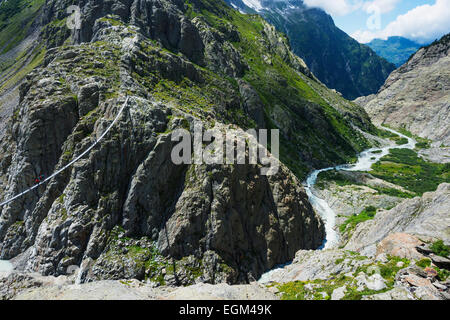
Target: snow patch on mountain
[254, 4]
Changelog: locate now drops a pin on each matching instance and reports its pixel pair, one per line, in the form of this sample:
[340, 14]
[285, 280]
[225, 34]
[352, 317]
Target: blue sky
[419, 20]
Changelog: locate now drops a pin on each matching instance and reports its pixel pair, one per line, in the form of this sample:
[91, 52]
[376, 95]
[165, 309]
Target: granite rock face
[425, 217]
[416, 96]
[125, 210]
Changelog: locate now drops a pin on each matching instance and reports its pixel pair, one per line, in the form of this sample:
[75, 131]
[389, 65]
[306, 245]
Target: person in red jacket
[39, 179]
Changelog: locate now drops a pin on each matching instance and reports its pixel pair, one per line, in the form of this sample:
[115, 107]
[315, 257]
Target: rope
[70, 163]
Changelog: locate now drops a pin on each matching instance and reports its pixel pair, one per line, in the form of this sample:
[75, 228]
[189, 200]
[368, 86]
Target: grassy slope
[320, 130]
[332, 52]
[16, 17]
[405, 168]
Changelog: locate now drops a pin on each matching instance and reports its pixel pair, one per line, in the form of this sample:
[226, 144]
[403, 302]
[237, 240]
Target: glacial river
[5, 266]
[364, 163]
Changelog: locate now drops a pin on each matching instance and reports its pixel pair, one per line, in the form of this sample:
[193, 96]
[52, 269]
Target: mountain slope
[337, 60]
[416, 96]
[396, 50]
[126, 210]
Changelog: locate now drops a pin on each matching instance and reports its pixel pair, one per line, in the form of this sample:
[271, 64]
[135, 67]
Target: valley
[93, 205]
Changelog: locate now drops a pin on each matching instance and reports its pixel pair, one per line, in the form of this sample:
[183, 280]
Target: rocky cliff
[337, 60]
[425, 217]
[125, 210]
[393, 257]
[416, 96]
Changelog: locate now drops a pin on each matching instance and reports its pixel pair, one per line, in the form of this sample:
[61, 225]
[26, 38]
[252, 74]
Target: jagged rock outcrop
[340, 274]
[426, 217]
[416, 96]
[126, 210]
[216, 215]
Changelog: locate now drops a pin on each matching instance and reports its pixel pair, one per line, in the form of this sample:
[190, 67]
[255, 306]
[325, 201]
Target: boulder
[400, 245]
[421, 217]
[439, 261]
[88, 98]
[398, 293]
[416, 281]
[338, 293]
[375, 282]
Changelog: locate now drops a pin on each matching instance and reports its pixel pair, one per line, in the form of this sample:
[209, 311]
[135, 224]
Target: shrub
[350, 224]
[405, 168]
[440, 249]
[424, 263]
[401, 141]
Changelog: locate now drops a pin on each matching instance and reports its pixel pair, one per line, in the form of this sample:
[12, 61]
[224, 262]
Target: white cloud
[382, 6]
[422, 24]
[344, 7]
[335, 7]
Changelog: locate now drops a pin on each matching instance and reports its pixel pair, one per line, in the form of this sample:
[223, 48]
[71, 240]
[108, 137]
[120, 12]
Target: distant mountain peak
[395, 49]
[336, 59]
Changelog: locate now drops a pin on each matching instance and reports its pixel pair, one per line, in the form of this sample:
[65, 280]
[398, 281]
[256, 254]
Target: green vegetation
[393, 192]
[392, 136]
[401, 141]
[422, 143]
[345, 180]
[335, 176]
[424, 263]
[113, 22]
[23, 69]
[339, 61]
[290, 98]
[440, 249]
[16, 17]
[147, 258]
[403, 167]
[350, 224]
[386, 134]
[322, 289]
[387, 270]
[442, 274]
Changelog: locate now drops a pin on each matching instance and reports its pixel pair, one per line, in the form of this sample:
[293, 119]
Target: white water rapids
[364, 163]
[5, 267]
